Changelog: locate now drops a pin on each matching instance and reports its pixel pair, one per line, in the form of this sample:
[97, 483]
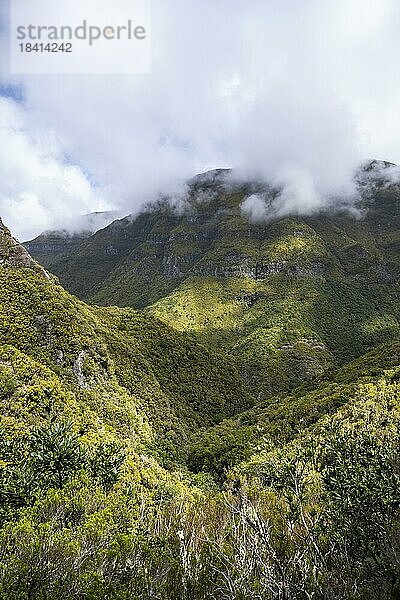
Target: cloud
[37, 187]
[298, 92]
[256, 208]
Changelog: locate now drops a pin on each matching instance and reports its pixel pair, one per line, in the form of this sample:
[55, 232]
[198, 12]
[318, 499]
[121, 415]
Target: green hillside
[238, 439]
[119, 366]
[53, 245]
[282, 418]
[286, 300]
[266, 504]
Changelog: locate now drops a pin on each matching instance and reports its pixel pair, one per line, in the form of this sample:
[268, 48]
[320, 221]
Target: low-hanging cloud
[256, 208]
[298, 93]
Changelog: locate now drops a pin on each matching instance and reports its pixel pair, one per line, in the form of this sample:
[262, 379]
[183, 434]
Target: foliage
[286, 300]
[134, 461]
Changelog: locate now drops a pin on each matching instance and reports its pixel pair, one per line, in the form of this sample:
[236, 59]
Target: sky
[299, 91]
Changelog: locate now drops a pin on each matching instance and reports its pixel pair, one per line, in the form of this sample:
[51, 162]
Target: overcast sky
[300, 90]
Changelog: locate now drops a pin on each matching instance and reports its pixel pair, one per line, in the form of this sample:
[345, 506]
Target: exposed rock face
[171, 266]
[260, 271]
[14, 255]
[78, 369]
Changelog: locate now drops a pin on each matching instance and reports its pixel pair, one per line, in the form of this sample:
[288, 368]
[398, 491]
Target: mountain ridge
[134, 463]
[277, 297]
[52, 245]
[96, 351]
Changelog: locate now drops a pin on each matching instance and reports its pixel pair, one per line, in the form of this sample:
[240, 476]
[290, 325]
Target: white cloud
[299, 91]
[256, 208]
[37, 188]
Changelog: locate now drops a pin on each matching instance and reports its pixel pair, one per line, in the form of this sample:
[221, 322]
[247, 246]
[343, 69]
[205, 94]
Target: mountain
[287, 299]
[119, 366]
[134, 461]
[50, 246]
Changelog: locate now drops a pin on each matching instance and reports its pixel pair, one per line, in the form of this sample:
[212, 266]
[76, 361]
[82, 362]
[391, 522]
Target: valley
[197, 406]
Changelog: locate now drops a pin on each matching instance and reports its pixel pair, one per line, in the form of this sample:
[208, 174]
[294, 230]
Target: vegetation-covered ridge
[135, 465]
[52, 245]
[286, 299]
[119, 366]
[13, 254]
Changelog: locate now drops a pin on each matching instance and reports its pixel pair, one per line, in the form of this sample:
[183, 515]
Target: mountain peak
[212, 176]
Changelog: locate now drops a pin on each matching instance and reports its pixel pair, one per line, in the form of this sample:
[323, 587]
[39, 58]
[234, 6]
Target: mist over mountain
[301, 94]
[255, 392]
[228, 261]
[200, 340]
